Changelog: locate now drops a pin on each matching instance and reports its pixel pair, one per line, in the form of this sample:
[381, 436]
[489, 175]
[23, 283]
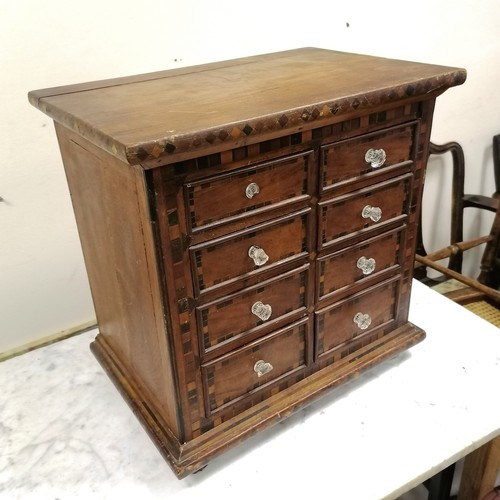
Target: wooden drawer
[224, 197]
[348, 161]
[227, 259]
[230, 378]
[253, 311]
[356, 316]
[363, 210]
[364, 261]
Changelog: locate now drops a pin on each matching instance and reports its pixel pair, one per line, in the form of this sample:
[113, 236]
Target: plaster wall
[43, 284]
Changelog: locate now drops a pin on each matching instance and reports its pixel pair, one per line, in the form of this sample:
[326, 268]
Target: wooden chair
[484, 288]
[496, 165]
[481, 295]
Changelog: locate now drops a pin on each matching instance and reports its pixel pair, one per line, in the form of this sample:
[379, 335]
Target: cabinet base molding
[186, 458]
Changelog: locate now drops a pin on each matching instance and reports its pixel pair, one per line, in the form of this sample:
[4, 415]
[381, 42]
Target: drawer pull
[262, 311]
[366, 265]
[373, 213]
[261, 367]
[258, 255]
[375, 157]
[362, 320]
[252, 189]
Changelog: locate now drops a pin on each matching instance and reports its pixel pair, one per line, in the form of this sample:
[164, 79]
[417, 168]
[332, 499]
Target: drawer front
[364, 261]
[364, 209]
[224, 197]
[250, 251]
[253, 311]
[367, 155]
[230, 378]
[356, 316]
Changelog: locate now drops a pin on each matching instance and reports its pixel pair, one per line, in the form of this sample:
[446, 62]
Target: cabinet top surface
[158, 115]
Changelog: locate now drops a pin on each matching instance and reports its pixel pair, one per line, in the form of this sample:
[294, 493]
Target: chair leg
[480, 471]
[439, 486]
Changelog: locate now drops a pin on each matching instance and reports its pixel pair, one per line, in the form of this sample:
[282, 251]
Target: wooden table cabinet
[248, 229]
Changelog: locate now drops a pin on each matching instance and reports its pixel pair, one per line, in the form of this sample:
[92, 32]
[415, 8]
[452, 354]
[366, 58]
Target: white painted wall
[43, 285]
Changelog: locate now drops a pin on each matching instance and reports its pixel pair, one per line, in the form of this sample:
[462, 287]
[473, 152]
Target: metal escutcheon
[262, 367]
[375, 157]
[366, 265]
[262, 311]
[373, 213]
[251, 190]
[362, 320]
[258, 255]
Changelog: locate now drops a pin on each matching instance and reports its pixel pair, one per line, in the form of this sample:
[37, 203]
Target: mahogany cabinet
[248, 229]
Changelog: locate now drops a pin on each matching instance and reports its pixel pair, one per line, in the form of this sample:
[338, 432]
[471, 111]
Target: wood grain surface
[152, 116]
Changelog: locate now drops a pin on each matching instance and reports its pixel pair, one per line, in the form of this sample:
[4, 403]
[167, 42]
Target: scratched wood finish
[230, 98]
[177, 178]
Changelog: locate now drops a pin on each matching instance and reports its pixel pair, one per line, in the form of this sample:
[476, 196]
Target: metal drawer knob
[261, 367]
[258, 255]
[262, 311]
[375, 157]
[366, 265]
[362, 320]
[251, 190]
[373, 213]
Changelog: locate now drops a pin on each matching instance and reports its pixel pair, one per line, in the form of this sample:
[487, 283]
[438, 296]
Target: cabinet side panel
[110, 203]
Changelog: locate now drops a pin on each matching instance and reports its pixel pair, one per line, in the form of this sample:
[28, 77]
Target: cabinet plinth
[248, 229]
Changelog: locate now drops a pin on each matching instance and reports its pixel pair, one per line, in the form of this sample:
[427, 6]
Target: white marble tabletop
[66, 433]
